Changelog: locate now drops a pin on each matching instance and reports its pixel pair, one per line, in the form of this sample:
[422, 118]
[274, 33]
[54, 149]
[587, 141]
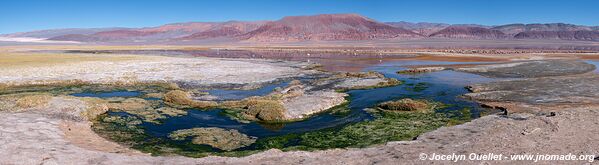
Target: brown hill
[75, 37]
[468, 32]
[164, 32]
[326, 27]
[122, 34]
[581, 35]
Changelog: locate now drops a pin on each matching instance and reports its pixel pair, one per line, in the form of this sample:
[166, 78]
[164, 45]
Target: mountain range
[324, 27]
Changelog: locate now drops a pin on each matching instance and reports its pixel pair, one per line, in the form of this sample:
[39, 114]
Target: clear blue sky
[27, 15]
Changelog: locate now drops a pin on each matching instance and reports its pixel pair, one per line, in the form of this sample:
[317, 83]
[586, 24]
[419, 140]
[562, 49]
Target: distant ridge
[581, 35]
[469, 32]
[323, 27]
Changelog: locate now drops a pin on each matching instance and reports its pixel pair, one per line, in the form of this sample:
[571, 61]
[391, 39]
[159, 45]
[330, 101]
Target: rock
[353, 83]
[263, 109]
[421, 70]
[518, 69]
[154, 95]
[294, 102]
[300, 101]
[546, 86]
[95, 107]
[182, 98]
[227, 140]
[355, 80]
[528, 132]
[313, 102]
[407, 104]
[577, 90]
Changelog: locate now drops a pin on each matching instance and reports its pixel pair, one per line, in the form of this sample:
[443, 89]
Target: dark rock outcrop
[469, 32]
[513, 29]
[423, 28]
[560, 35]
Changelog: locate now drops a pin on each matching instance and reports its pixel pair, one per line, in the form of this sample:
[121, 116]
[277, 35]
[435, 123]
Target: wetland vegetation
[377, 106]
[246, 126]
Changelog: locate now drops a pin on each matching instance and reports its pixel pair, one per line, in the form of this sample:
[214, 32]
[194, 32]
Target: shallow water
[337, 61]
[443, 86]
[225, 94]
[594, 62]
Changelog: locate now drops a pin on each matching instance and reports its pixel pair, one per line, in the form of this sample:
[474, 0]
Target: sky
[28, 15]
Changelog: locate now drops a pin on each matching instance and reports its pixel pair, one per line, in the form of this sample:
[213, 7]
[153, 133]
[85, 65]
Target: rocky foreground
[55, 132]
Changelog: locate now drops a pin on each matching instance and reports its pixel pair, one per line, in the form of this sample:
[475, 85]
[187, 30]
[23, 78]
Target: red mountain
[326, 27]
[469, 32]
[189, 27]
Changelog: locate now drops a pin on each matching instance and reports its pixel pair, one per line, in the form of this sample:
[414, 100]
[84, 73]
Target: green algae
[71, 87]
[122, 129]
[407, 104]
[418, 87]
[128, 130]
[460, 117]
[385, 126]
[224, 139]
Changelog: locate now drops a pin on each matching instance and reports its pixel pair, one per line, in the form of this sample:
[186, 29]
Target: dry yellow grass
[31, 101]
[182, 98]
[40, 59]
[23, 101]
[102, 47]
[265, 110]
[409, 105]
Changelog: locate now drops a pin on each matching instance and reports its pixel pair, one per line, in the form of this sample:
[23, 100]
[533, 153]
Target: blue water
[443, 86]
[109, 94]
[223, 94]
[594, 62]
